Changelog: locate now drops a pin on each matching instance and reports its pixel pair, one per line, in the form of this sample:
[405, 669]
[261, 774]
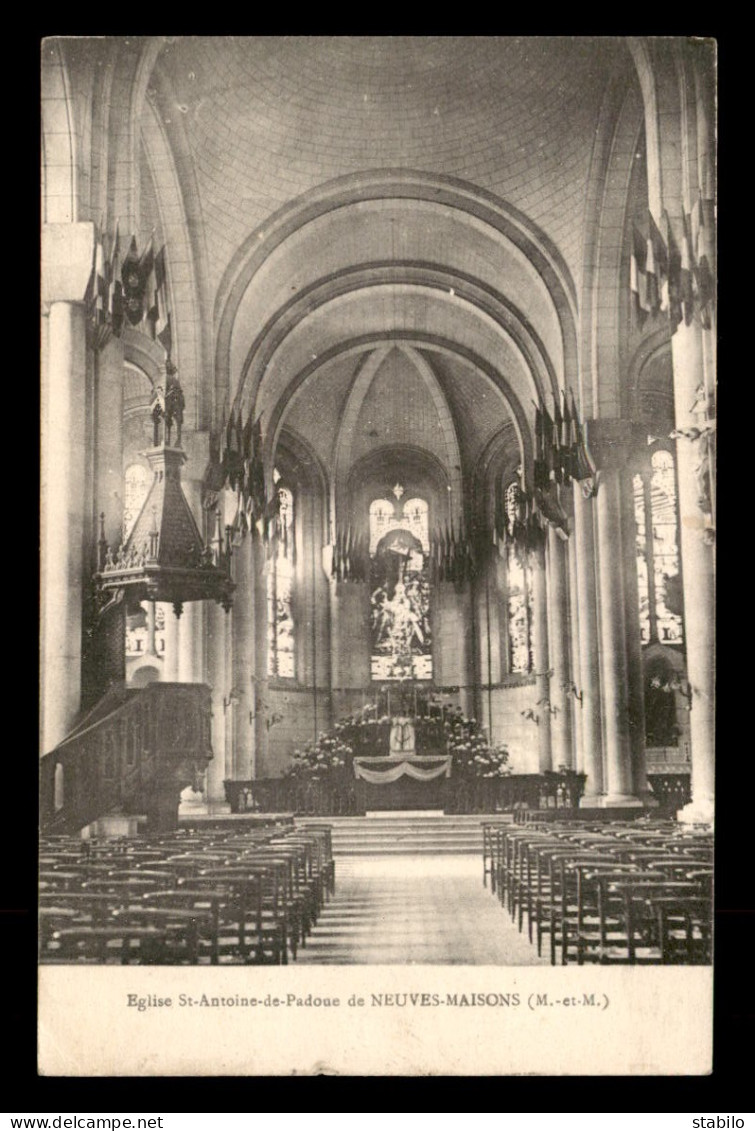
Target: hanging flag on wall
[133, 285]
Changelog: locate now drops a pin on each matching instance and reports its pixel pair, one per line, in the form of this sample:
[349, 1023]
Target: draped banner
[438, 767]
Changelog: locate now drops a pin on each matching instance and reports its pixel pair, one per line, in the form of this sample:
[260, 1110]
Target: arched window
[280, 590]
[657, 544]
[399, 542]
[415, 517]
[381, 520]
[519, 592]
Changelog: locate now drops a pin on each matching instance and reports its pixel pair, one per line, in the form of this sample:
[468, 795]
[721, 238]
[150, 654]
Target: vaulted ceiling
[269, 117]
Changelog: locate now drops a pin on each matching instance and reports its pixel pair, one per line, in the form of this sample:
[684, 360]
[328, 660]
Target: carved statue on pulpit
[402, 739]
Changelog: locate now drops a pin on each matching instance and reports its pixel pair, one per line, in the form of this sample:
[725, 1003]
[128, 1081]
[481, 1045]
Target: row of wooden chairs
[620, 892]
[196, 896]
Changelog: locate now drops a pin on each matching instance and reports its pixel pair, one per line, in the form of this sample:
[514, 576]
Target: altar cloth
[381, 771]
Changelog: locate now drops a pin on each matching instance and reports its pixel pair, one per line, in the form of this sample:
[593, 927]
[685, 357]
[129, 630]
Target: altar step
[400, 835]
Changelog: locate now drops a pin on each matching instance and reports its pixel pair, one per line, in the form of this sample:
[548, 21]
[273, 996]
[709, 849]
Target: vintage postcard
[378, 541]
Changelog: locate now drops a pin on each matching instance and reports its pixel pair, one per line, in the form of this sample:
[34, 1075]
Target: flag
[158, 313]
[586, 467]
[558, 431]
[567, 449]
[257, 470]
[165, 336]
[232, 453]
[115, 287]
[117, 308]
[548, 447]
[703, 275]
[657, 267]
[540, 467]
[674, 277]
[133, 285]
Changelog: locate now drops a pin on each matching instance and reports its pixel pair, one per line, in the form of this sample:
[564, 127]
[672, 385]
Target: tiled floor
[407, 910]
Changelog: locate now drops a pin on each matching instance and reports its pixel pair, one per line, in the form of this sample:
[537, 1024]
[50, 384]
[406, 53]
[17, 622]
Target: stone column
[108, 439]
[589, 666]
[259, 631]
[172, 644]
[67, 256]
[635, 669]
[574, 653]
[241, 694]
[218, 626]
[694, 475]
[151, 649]
[558, 651]
[609, 442]
[490, 642]
[541, 661]
[191, 630]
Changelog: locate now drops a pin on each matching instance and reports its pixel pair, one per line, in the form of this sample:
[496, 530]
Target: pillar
[635, 667]
[191, 629]
[241, 708]
[574, 653]
[172, 645]
[490, 639]
[695, 505]
[67, 255]
[540, 657]
[619, 784]
[558, 651]
[589, 667]
[108, 440]
[218, 626]
[260, 682]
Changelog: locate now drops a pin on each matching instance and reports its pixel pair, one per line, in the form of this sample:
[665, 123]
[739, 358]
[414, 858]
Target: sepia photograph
[378, 518]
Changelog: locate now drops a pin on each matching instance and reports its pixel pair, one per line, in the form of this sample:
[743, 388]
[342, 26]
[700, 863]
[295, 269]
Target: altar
[402, 782]
[402, 779]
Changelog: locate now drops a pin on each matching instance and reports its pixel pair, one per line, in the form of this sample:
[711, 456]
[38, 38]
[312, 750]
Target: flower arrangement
[320, 759]
[472, 753]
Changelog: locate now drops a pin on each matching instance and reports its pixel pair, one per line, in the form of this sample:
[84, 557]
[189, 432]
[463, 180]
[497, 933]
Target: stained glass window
[643, 588]
[415, 517]
[519, 593]
[657, 546]
[280, 591]
[400, 590]
[665, 548]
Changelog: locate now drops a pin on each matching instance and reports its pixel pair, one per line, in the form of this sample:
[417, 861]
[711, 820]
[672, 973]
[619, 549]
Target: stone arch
[606, 283]
[455, 194]
[649, 349]
[360, 344]
[440, 281]
[171, 167]
[357, 394]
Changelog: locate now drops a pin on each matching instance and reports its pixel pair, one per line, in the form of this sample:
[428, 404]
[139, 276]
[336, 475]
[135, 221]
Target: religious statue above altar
[402, 739]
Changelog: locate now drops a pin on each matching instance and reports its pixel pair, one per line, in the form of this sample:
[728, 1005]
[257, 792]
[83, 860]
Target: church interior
[378, 499]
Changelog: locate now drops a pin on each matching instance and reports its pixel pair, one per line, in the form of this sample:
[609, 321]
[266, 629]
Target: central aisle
[408, 910]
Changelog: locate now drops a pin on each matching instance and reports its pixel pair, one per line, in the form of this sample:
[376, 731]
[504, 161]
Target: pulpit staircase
[132, 753]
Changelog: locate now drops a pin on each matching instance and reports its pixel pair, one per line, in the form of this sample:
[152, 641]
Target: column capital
[67, 261]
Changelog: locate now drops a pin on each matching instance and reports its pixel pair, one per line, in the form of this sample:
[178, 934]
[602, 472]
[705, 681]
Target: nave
[408, 910]
[575, 891]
